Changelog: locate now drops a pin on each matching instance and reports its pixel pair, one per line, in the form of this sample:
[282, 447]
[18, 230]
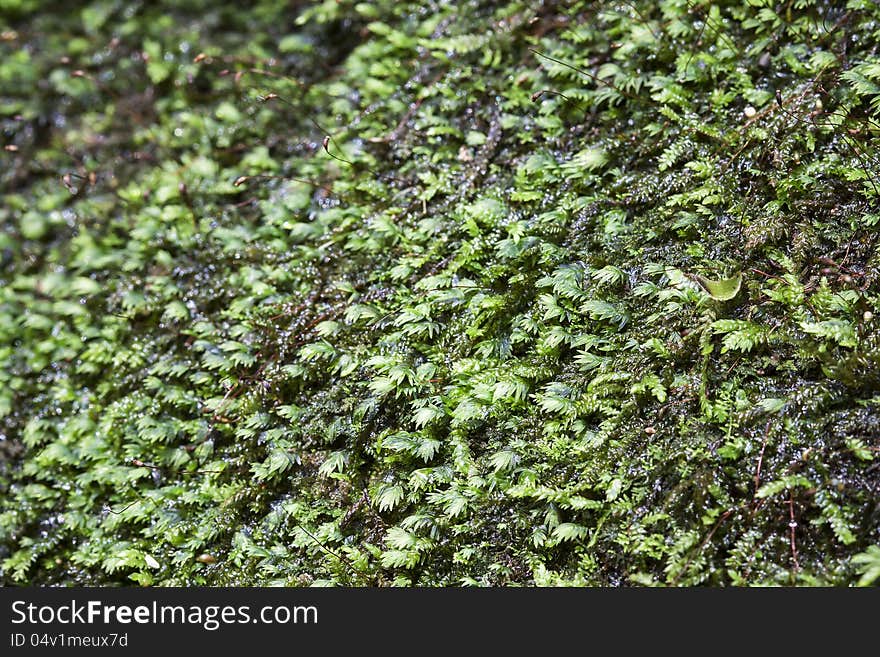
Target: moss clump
[440, 293]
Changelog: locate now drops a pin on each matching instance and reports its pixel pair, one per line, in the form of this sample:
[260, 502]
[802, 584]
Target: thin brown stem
[761, 459]
[593, 77]
[724, 516]
[343, 559]
[792, 526]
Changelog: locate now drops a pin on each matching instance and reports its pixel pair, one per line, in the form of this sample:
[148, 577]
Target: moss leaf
[721, 290]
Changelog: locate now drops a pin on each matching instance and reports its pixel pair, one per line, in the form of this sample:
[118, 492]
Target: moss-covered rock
[439, 293]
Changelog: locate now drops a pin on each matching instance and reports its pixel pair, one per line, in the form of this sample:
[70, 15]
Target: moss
[439, 293]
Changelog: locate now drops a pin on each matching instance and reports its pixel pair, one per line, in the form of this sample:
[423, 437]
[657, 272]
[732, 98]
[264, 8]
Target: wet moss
[422, 293]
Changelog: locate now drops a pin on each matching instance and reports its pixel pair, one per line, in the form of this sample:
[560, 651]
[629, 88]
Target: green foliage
[868, 565]
[347, 293]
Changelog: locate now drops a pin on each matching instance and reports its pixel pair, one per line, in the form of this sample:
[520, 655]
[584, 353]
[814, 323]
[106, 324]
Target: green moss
[457, 293]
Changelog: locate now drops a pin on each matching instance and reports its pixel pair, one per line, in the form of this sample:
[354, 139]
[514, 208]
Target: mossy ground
[428, 293]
